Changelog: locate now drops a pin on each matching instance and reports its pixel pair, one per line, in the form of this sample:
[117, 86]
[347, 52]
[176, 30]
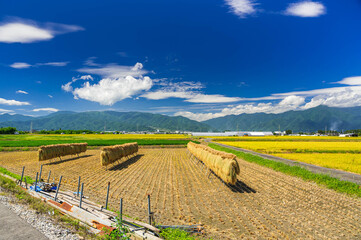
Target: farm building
[230, 134]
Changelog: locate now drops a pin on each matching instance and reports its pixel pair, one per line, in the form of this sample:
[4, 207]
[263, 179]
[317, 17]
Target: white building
[231, 134]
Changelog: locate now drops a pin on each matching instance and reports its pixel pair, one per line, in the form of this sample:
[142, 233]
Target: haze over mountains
[308, 120]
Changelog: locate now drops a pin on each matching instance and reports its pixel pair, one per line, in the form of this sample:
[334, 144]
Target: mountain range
[313, 119]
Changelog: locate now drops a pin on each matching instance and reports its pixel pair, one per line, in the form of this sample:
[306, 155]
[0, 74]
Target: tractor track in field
[265, 205]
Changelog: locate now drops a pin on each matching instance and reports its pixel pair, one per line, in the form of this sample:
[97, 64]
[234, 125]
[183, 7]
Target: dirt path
[267, 204]
[342, 175]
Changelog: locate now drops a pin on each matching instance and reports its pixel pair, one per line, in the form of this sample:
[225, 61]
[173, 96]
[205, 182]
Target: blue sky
[198, 59]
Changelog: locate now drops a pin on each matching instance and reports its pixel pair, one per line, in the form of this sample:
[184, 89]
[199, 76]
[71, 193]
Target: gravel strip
[41, 222]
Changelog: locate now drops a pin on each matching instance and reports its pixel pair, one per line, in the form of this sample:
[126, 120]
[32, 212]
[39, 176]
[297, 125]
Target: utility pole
[105, 126]
[31, 127]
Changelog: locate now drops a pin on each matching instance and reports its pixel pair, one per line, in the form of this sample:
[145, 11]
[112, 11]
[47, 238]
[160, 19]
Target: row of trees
[7, 130]
[66, 131]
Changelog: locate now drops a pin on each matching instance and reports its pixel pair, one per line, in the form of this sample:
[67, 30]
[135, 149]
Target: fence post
[22, 175]
[41, 169]
[49, 176]
[81, 195]
[36, 181]
[121, 211]
[77, 192]
[106, 201]
[149, 211]
[57, 189]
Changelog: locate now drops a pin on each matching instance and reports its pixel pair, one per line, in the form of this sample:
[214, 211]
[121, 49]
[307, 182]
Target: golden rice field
[343, 161]
[289, 138]
[296, 146]
[266, 205]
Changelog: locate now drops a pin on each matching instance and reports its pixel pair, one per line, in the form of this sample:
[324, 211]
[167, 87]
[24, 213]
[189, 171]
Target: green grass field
[35, 140]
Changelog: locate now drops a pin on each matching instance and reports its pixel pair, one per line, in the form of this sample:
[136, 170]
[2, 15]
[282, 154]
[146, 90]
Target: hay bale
[224, 165]
[114, 153]
[60, 150]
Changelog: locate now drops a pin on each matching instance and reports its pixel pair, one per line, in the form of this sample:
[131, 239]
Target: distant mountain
[308, 120]
[109, 120]
[15, 117]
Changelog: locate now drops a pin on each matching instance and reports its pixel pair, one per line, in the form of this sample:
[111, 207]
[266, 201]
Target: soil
[265, 204]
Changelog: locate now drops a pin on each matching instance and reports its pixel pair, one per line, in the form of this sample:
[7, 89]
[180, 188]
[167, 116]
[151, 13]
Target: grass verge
[6, 172]
[349, 188]
[176, 234]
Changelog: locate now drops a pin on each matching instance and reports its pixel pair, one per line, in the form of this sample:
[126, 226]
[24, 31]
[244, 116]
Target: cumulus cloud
[346, 96]
[109, 90]
[287, 104]
[242, 8]
[45, 109]
[18, 30]
[12, 102]
[306, 9]
[68, 88]
[189, 91]
[20, 65]
[21, 91]
[118, 82]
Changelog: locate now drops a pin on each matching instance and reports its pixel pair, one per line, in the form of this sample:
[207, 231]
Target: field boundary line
[339, 174]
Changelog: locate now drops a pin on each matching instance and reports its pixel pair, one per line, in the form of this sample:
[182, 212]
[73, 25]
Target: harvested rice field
[266, 204]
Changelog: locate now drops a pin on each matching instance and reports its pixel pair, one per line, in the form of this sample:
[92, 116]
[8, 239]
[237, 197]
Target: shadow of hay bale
[67, 160]
[242, 187]
[126, 163]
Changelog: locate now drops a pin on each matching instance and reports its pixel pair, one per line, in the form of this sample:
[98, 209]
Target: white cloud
[242, 8]
[348, 96]
[287, 104]
[21, 91]
[12, 102]
[54, 64]
[50, 96]
[2, 111]
[68, 88]
[306, 9]
[109, 91]
[188, 91]
[117, 83]
[45, 109]
[354, 81]
[23, 33]
[20, 65]
[115, 71]
[26, 31]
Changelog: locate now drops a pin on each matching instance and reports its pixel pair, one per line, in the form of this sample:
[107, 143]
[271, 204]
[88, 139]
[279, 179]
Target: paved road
[342, 175]
[14, 228]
